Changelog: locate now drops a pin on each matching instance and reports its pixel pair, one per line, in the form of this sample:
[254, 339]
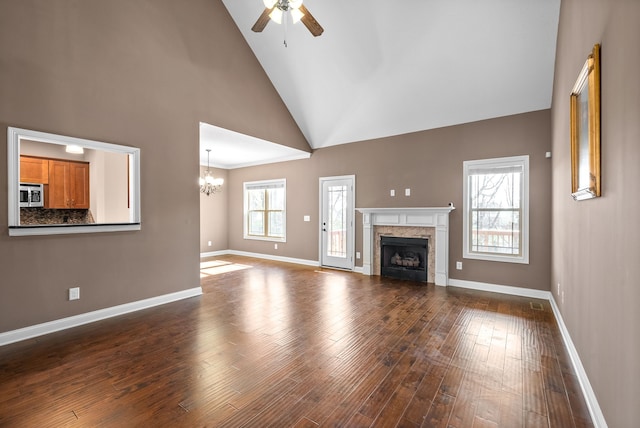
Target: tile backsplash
[34, 216]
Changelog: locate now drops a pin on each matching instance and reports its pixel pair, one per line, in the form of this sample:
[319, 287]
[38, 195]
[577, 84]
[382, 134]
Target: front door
[336, 221]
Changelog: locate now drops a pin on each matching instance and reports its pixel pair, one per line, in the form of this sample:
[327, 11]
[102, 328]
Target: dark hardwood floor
[276, 344]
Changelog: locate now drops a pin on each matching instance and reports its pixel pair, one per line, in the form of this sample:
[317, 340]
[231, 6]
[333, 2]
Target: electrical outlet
[357, 254]
[407, 192]
[74, 293]
[459, 265]
[275, 246]
[392, 192]
[209, 243]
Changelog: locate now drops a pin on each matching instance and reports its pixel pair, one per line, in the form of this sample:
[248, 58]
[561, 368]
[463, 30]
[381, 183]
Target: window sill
[497, 258]
[258, 238]
[61, 229]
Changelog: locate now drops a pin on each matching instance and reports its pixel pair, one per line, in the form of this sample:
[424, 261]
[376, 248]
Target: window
[496, 214]
[264, 210]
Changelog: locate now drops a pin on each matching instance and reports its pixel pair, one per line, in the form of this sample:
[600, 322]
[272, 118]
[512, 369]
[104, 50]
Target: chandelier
[209, 184]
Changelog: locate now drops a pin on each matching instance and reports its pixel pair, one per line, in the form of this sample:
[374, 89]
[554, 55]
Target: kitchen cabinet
[68, 185]
[34, 170]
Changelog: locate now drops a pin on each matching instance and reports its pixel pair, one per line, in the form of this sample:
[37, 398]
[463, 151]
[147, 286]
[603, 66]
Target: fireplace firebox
[404, 258]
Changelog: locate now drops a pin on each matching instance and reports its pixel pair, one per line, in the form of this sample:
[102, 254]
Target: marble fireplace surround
[418, 221]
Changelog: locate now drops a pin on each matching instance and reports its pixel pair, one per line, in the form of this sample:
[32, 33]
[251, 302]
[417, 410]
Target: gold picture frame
[585, 130]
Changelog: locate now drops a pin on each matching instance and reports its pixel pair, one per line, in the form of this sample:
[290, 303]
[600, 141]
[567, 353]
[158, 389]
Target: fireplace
[404, 258]
[414, 220]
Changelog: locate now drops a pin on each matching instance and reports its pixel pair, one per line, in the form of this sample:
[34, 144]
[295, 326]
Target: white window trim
[245, 202]
[519, 160]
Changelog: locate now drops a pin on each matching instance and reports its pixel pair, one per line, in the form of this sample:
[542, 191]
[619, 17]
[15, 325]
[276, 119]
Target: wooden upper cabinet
[79, 173]
[68, 184]
[34, 170]
[59, 192]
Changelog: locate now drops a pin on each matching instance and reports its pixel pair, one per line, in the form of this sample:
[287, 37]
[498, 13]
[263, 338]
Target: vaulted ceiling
[385, 68]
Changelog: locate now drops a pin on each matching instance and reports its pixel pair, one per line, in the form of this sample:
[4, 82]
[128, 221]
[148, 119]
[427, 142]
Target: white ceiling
[231, 149]
[385, 68]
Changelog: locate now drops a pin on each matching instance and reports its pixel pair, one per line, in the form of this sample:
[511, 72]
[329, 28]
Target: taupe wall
[430, 163]
[141, 73]
[596, 243]
[213, 215]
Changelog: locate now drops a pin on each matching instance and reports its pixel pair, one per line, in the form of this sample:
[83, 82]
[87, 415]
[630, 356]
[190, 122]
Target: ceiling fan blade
[262, 21]
[310, 22]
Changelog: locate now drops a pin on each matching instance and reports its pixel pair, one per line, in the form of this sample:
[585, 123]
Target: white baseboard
[357, 269]
[214, 253]
[77, 320]
[589, 396]
[262, 256]
[276, 258]
[504, 289]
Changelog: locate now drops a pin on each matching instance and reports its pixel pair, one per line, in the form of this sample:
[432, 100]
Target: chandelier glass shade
[209, 184]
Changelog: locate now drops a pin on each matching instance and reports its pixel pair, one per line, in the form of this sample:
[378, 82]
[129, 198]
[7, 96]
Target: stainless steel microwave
[31, 195]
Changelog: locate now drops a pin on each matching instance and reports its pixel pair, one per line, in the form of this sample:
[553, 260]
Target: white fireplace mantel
[436, 217]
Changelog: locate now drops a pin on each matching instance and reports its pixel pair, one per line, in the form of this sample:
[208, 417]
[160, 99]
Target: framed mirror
[59, 184]
[585, 130]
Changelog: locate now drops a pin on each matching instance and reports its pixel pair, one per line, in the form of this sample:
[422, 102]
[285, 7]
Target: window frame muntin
[523, 161]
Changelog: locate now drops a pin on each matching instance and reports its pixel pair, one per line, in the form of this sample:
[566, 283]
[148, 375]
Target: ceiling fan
[275, 9]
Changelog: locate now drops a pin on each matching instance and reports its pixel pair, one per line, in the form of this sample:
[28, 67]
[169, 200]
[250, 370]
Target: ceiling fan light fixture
[275, 11]
[296, 15]
[276, 15]
[295, 4]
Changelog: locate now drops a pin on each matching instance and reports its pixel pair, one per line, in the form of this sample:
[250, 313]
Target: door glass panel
[337, 221]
